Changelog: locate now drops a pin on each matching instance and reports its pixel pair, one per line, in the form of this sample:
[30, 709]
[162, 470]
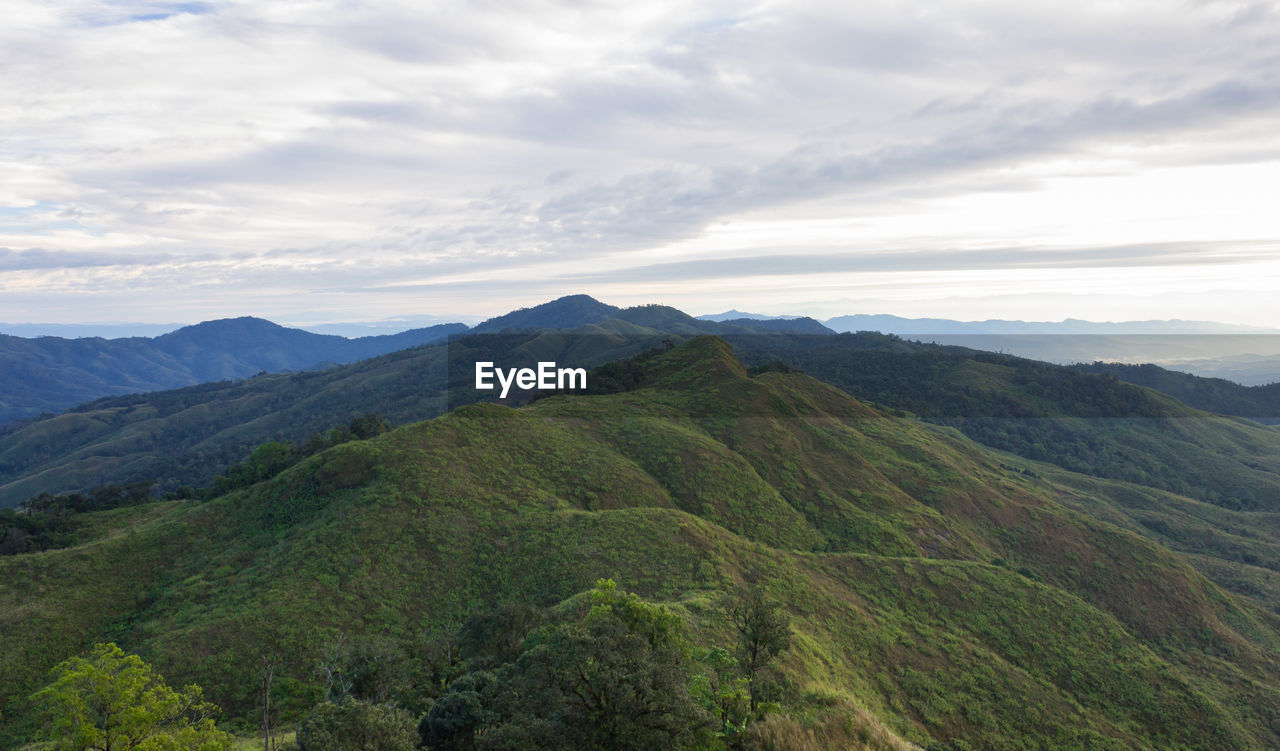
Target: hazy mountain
[48, 374]
[1204, 354]
[396, 325]
[79, 330]
[1247, 369]
[888, 324]
[732, 315]
[1246, 354]
[937, 592]
[802, 325]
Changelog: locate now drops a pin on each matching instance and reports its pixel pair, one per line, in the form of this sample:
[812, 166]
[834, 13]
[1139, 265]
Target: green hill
[1080, 421]
[1225, 397]
[959, 597]
[1085, 422]
[190, 435]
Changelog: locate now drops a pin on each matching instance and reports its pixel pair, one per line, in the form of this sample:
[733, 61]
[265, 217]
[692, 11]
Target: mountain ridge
[49, 374]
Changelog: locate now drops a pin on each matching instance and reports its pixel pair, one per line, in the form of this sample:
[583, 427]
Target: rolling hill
[188, 436]
[1085, 422]
[951, 594]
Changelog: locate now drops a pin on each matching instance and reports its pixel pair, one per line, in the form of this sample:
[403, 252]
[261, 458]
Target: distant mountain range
[49, 374]
[887, 324]
[1249, 355]
[188, 436]
[1249, 369]
[733, 315]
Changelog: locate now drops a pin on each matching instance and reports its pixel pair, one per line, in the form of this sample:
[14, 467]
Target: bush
[355, 725]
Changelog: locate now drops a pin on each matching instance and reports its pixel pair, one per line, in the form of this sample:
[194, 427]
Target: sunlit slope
[930, 580]
[188, 436]
[1088, 423]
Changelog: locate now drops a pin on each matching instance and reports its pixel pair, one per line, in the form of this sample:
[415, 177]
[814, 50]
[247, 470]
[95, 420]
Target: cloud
[39, 258]
[287, 141]
[799, 264]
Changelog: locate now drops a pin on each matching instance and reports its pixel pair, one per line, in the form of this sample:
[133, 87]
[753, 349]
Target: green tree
[617, 679]
[355, 725]
[372, 668]
[454, 718]
[721, 689]
[112, 701]
[368, 426]
[764, 632]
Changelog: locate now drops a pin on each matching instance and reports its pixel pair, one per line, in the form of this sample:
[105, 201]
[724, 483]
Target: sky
[325, 160]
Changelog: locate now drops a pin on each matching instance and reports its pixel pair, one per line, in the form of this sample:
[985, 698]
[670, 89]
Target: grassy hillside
[189, 436]
[1088, 423]
[948, 593]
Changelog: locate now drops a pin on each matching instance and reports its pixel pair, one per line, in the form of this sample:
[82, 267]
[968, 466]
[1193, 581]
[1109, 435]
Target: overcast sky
[328, 160]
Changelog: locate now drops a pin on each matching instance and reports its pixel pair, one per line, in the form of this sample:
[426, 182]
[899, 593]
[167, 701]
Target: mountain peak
[565, 312]
[239, 324]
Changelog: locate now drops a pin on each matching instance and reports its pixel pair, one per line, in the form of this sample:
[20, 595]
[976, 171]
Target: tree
[454, 718]
[268, 677]
[764, 632]
[355, 725]
[372, 668]
[617, 680]
[368, 426]
[722, 690]
[597, 685]
[112, 701]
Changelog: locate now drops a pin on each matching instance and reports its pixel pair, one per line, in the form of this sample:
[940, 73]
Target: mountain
[801, 325]
[889, 324]
[49, 374]
[1246, 369]
[1210, 394]
[81, 330]
[938, 592]
[563, 313]
[188, 436]
[734, 315]
[1078, 421]
[1243, 353]
[396, 325]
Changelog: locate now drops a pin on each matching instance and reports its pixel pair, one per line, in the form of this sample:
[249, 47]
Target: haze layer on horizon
[333, 161]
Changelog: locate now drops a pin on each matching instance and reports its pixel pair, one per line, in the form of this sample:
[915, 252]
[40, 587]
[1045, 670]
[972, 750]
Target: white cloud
[276, 153]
